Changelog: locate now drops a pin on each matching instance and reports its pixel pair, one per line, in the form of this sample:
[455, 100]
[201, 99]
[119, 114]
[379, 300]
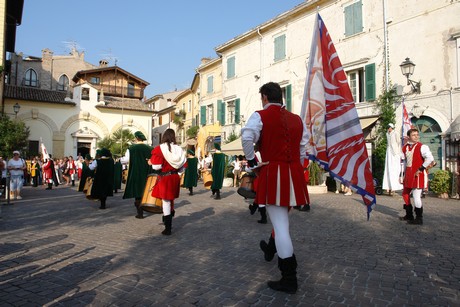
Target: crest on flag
[406, 123]
[328, 109]
[45, 154]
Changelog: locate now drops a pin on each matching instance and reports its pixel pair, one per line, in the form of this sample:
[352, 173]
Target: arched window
[63, 83]
[30, 78]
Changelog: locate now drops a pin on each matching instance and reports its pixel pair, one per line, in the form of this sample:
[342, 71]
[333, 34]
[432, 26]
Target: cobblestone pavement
[59, 249]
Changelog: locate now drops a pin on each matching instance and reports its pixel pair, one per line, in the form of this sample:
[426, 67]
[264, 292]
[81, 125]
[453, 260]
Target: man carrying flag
[337, 142]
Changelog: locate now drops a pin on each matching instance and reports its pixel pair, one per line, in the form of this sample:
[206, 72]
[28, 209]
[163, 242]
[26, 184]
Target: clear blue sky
[161, 42]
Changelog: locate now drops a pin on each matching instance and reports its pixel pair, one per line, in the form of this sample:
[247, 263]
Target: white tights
[166, 207]
[280, 221]
[417, 196]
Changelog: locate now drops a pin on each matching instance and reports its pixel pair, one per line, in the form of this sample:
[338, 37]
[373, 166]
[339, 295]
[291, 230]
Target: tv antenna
[109, 56]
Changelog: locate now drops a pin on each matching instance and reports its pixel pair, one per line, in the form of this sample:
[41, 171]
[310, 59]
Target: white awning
[367, 122]
[455, 129]
[233, 148]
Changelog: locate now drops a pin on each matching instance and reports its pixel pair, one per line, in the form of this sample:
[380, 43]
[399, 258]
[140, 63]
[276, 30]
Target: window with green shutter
[230, 67]
[210, 88]
[369, 75]
[280, 48]
[203, 115]
[353, 18]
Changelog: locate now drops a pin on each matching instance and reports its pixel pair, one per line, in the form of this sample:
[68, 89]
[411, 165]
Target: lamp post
[407, 69]
[16, 108]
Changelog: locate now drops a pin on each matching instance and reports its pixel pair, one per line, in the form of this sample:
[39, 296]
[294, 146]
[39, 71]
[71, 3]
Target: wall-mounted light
[16, 108]
[407, 69]
[256, 77]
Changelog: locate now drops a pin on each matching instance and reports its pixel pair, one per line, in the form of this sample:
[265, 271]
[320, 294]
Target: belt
[168, 173]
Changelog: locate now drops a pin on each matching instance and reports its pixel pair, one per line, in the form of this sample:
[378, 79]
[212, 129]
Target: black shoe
[305, 208]
[168, 225]
[263, 215]
[269, 248]
[253, 208]
[288, 281]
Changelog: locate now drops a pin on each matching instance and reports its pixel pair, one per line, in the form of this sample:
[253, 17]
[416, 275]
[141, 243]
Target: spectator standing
[16, 167]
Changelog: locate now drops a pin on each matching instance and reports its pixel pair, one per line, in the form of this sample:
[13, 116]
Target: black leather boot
[50, 186]
[288, 281]
[263, 215]
[409, 213]
[140, 212]
[102, 203]
[418, 217]
[253, 208]
[190, 190]
[217, 194]
[269, 248]
[168, 225]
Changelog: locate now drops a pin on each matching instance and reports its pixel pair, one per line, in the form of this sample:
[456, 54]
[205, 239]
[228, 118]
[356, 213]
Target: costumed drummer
[168, 161]
[136, 157]
[103, 177]
[282, 138]
[217, 171]
[191, 172]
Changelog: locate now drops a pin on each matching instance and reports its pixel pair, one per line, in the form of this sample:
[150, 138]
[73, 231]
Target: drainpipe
[385, 42]
[261, 55]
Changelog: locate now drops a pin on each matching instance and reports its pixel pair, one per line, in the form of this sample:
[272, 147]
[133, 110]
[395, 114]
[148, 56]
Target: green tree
[232, 137]
[14, 135]
[386, 107]
[118, 142]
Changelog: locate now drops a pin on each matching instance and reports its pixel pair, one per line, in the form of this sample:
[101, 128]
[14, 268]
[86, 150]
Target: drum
[182, 179]
[88, 191]
[207, 179]
[246, 188]
[124, 176]
[88, 183]
[149, 203]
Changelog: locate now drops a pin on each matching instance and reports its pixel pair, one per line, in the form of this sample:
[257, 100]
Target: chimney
[103, 63]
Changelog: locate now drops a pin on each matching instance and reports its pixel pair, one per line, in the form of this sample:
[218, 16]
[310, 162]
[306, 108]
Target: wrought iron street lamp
[407, 69]
[16, 108]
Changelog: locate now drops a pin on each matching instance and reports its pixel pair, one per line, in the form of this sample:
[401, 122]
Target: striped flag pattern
[336, 142]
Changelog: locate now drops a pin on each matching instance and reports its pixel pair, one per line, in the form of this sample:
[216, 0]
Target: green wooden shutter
[358, 17]
[369, 71]
[349, 20]
[221, 112]
[203, 115]
[237, 110]
[280, 47]
[210, 84]
[289, 98]
[231, 67]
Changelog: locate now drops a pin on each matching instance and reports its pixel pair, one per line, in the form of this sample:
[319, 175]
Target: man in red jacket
[282, 137]
[418, 158]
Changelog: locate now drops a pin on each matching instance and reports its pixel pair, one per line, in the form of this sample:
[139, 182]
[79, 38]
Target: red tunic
[48, 169]
[167, 187]
[281, 182]
[414, 161]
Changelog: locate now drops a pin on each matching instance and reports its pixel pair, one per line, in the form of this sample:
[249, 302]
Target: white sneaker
[18, 197]
[348, 193]
[337, 192]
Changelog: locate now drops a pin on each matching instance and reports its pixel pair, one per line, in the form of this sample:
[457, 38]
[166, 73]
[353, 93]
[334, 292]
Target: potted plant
[441, 183]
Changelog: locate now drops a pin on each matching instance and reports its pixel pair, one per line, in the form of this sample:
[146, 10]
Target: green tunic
[217, 170]
[117, 170]
[103, 179]
[138, 169]
[191, 173]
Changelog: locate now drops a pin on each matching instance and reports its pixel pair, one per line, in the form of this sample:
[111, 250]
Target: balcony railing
[112, 90]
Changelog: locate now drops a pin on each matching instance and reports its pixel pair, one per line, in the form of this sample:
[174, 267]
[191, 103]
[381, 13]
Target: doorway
[83, 149]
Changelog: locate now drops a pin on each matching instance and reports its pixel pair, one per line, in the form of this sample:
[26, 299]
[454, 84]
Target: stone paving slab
[58, 249]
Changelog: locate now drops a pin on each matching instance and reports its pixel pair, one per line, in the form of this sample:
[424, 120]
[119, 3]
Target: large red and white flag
[336, 142]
